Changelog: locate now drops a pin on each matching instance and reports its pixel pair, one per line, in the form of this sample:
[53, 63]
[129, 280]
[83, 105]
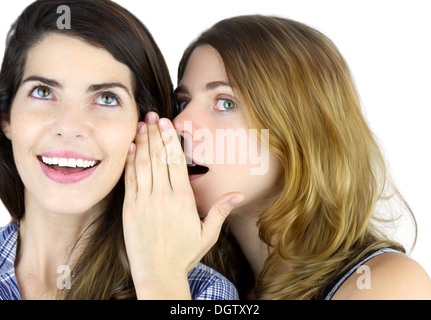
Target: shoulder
[390, 275]
[208, 284]
[7, 231]
[8, 243]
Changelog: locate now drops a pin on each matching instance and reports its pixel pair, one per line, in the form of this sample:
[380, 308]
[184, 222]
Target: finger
[143, 162]
[176, 161]
[217, 214]
[157, 154]
[131, 185]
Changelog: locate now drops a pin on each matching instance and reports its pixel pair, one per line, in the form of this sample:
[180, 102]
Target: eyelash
[227, 99]
[181, 102]
[109, 93]
[100, 94]
[30, 93]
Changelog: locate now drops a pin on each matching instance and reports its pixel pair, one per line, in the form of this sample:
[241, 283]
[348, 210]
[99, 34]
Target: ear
[5, 126]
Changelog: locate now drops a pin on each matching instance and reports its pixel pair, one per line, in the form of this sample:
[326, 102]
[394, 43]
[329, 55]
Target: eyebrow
[48, 82]
[107, 86]
[91, 88]
[208, 87]
[216, 84]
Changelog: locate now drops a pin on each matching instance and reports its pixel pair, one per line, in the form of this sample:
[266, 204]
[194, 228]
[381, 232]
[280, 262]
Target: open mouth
[195, 169]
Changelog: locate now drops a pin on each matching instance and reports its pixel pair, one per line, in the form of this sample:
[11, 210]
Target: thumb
[218, 213]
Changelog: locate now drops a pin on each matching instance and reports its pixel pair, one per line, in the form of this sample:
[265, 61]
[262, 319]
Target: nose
[70, 122]
[187, 123]
[189, 120]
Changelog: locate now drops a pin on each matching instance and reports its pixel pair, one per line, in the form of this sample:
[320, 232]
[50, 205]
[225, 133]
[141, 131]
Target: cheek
[22, 124]
[117, 141]
[239, 178]
[24, 133]
[220, 180]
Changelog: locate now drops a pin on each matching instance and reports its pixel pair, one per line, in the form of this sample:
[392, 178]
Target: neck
[246, 232]
[48, 243]
[48, 237]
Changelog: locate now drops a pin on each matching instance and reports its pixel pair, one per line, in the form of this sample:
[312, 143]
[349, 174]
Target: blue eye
[107, 99]
[225, 105]
[41, 92]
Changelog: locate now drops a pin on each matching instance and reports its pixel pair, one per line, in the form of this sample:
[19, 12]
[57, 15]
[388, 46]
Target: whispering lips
[196, 170]
[67, 166]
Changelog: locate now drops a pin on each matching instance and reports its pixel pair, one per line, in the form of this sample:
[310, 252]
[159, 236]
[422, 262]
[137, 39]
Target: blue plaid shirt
[205, 283]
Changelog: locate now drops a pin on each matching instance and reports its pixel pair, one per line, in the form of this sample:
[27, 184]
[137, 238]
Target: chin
[202, 213]
[69, 210]
[202, 209]
[204, 202]
[68, 205]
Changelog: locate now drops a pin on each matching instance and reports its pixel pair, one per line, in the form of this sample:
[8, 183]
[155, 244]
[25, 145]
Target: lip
[67, 154]
[195, 176]
[64, 178]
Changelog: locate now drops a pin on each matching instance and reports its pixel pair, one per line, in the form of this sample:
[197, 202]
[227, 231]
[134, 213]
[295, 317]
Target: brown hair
[103, 268]
[292, 80]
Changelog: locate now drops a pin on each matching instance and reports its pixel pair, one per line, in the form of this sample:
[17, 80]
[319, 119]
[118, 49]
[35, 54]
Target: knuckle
[224, 211]
[130, 179]
[185, 197]
[158, 155]
[143, 163]
[160, 196]
[176, 158]
[128, 207]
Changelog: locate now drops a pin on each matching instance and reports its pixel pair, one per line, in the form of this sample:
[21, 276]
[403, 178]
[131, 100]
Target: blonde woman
[305, 228]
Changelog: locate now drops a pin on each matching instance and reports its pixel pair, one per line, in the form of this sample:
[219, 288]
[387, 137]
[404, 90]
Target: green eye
[42, 92]
[228, 104]
[225, 105]
[107, 99]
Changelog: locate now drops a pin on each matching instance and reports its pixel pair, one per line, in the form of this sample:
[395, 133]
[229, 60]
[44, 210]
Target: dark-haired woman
[70, 103]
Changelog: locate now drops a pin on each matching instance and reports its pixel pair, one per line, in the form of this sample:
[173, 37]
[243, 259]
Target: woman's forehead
[65, 57]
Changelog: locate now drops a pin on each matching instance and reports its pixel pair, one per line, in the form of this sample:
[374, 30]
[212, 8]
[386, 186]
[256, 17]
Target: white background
[386, 44]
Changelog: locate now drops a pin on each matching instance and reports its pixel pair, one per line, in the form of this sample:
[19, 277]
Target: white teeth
[62, 162]
[69, 162]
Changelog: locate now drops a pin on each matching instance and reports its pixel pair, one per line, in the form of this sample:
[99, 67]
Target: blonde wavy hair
[292, 80]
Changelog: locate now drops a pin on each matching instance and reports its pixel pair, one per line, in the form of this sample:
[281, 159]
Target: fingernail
[163, 124]
[151, 117]
[132, 148]
[140, 124]
[235, 200]
[143, 129]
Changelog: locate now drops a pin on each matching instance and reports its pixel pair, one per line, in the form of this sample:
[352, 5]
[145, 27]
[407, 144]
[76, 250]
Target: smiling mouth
[68, 165]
